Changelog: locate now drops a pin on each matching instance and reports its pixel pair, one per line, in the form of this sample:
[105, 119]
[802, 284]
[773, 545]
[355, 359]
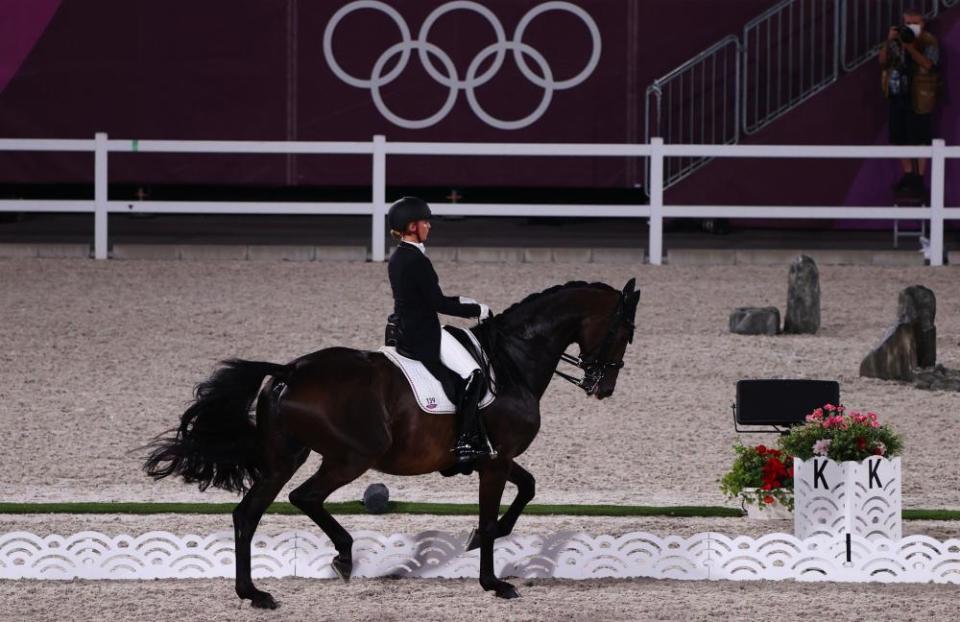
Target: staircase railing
[864, 25]
[698, 102]
[790, 54]
[787, 54]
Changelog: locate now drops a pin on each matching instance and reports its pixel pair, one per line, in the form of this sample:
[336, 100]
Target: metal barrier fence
[698, 102]
[790, 54]
[379, 148]
[864, 25]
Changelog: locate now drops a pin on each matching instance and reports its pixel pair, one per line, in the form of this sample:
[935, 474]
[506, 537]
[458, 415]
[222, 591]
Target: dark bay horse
[357, 411]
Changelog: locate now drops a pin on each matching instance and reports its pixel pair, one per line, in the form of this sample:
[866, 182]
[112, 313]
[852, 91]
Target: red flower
[768, 499]
[761, 449]
[861, 443]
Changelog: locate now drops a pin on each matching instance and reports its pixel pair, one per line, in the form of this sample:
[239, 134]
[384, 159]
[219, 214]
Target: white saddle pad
[426, 388]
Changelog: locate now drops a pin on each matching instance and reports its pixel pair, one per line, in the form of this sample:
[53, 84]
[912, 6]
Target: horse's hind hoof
[507, 592]
[263, 600]
[342, 568]
[473, 540]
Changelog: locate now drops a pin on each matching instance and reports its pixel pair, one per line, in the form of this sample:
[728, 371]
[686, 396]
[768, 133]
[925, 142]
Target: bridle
[596, 365]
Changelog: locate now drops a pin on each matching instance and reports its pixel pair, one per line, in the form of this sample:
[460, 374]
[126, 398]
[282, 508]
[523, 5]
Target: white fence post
[379, 197]
[937, 191]
[656, 201]
[100, 196]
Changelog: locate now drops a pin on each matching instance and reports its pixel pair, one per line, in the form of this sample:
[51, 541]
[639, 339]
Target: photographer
[909, 60]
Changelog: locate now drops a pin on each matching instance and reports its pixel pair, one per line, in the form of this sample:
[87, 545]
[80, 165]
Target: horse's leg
[310, 495]
[246, 517]
[526, 489]
[493, 477]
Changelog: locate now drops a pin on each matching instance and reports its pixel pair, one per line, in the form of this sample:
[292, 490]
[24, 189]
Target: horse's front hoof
[343, 568]
[507, 591]
[263, 600]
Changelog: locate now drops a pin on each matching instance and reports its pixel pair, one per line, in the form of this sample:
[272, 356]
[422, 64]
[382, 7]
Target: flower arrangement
[761, 476]
[832, 432]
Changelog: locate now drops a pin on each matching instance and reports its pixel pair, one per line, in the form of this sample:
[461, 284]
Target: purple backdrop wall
[248, 69]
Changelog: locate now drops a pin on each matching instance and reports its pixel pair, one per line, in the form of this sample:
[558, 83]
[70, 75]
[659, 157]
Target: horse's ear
[628, 288]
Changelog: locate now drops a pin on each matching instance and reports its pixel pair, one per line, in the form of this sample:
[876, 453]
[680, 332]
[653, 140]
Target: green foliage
[759, 475]
[832, 433]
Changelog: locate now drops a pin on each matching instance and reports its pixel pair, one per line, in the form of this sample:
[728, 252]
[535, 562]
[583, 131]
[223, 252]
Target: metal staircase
[785, 56]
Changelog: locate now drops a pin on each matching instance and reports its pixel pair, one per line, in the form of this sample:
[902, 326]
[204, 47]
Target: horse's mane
[493, 334]
[554, 289]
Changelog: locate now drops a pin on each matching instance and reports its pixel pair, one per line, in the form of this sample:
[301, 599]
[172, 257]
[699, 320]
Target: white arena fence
[379, 149]
[434, 554]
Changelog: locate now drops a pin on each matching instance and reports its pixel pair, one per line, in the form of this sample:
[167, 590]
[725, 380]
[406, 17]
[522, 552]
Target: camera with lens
[905, 34]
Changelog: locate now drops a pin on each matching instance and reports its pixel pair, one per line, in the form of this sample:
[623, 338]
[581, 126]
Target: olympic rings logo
[448, 76]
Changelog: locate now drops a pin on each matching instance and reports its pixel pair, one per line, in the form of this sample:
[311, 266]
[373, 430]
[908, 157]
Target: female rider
[417, 301]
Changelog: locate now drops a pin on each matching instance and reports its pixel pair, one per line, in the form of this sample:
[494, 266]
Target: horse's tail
[216, 443]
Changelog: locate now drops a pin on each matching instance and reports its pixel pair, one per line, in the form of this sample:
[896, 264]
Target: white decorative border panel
[704, 556]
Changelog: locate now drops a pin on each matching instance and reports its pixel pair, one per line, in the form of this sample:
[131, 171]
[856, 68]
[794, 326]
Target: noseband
[596, 365]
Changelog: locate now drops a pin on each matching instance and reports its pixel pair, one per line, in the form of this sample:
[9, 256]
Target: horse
[356, 409]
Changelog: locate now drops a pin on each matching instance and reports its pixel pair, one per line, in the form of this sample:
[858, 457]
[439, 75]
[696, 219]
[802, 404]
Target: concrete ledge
[489, 255]
[442, 253]
[62, 251]
[537, 255]
[258, 252]
[767, 257]
[340, 253]
[18, 250]
[618, 255]
[898, 258]
[953, 257]
[145, 251]
[700, 257]
[572, 255]
[213, 251]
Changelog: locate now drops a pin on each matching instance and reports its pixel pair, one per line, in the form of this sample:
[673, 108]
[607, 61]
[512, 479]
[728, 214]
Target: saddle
[459, 351]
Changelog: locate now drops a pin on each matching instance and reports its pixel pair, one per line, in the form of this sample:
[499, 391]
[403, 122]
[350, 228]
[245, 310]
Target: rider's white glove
[468, 301]
[484, 312]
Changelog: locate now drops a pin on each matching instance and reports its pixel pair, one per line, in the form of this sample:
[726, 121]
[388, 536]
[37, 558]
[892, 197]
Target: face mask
[915, 28]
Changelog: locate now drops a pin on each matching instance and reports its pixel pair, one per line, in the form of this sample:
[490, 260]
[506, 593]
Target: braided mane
[557, 288]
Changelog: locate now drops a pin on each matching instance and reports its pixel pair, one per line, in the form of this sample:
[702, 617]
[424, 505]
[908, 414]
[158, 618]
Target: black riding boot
[470, 442]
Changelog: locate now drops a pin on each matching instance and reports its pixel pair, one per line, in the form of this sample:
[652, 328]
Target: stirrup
[468, 452]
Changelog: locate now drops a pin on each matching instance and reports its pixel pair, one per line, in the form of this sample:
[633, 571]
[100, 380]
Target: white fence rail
[379, 149]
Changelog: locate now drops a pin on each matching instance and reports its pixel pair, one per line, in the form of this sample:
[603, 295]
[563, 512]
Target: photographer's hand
[893, 34]
[918, 57]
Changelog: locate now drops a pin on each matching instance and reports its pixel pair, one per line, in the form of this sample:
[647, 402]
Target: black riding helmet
[405, 211]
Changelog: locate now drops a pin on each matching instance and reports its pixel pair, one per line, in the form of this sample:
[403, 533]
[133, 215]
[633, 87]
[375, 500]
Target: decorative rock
[755, 321]
[894, 358]
[938, 379]
[376, 498]
[917, 305]
[803, 297]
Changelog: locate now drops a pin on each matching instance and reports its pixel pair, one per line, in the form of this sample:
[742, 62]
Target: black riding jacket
[417, 301]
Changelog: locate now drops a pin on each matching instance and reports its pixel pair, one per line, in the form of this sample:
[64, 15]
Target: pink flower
[822, 447]
[836, 421]
[830, 407]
